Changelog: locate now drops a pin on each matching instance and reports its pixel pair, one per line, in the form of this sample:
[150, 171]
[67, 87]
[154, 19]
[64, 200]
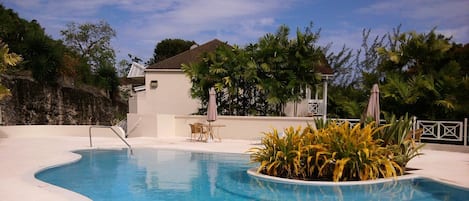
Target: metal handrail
[115, 132]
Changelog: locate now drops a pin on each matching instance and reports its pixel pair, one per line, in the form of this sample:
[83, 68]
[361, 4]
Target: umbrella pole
[210, 134]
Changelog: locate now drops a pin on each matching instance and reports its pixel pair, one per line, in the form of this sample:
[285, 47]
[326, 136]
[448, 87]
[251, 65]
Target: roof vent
[194, 46]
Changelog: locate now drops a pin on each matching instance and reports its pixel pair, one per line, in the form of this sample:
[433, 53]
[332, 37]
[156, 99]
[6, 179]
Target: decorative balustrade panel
[316, 107]
[450, 131]
[441, 130]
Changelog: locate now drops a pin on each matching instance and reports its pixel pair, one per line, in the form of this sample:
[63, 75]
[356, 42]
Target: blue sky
[141, 24]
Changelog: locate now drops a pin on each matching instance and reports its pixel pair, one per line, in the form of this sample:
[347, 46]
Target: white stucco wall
[235, 127]
[241, 127]
[172, 96]
[166, 111]
[150, 108]
[55, 130]
[141, 102]
[302, 109]
[139, 125]
[133, 104]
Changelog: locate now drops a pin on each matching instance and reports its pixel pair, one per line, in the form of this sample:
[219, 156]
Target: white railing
[316, 107]
[115, 132]
[449, 131]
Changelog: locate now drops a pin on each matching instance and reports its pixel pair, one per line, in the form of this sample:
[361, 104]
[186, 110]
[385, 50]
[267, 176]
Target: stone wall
[32, 103]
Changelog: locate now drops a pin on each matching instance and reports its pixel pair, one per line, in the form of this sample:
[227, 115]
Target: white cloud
[222, 18]
[145, 6]
[438, 10]
[144, 23]
[340, 38]
[140, 25]
[449, 17]
[238, 22]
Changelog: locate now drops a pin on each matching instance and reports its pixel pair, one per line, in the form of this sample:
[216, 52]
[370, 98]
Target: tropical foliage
[261, 78]
[41, 55]
[50, 61]
[397, 137]
[337, 152]
[423, 77]
[168, 48]
[422, 74]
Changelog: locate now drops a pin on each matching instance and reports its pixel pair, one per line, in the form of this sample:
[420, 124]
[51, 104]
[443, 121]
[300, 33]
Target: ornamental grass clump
[334, 153]
[397, 137]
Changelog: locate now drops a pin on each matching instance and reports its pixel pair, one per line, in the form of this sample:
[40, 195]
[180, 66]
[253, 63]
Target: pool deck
[22, 157]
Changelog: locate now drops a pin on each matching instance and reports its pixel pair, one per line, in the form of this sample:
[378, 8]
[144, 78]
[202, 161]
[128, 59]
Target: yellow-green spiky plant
[335, 153]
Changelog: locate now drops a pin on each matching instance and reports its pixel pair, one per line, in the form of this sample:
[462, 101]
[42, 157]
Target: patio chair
[198, 132]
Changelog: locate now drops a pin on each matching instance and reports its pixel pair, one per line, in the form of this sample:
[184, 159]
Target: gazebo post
[324, 91]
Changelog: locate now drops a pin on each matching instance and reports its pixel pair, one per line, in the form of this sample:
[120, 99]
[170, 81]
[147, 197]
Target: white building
[164, 91]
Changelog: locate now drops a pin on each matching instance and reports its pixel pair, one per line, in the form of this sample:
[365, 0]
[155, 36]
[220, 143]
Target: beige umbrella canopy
[212, 106]
[372, 109]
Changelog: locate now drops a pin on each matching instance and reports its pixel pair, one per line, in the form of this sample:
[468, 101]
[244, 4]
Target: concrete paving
[22, 157]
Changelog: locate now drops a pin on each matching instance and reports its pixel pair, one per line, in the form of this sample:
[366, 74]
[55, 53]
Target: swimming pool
[159, 174]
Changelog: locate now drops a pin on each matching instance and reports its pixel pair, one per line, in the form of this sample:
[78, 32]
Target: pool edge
[253, 172]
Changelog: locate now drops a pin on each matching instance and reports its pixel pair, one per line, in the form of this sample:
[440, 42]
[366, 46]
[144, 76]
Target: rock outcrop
[32, 103]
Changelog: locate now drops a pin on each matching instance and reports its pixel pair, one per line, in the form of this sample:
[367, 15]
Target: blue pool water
[158, 174]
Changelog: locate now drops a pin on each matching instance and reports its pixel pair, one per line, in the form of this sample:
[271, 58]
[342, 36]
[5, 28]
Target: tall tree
[423, 77]
[92, 42]
[42, 55]
[355, 72]
[288, 65]
[168, 48]
[106, 77]
[123, 67]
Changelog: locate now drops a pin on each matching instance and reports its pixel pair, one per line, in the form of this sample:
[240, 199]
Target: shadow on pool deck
[447, 147]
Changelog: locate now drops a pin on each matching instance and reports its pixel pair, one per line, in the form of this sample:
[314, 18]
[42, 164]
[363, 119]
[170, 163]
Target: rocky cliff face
[33, 103]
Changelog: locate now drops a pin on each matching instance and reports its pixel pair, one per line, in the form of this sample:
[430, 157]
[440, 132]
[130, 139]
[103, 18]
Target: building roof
[192, 55]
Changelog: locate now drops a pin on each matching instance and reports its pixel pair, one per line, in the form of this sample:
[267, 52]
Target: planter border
[253, 172]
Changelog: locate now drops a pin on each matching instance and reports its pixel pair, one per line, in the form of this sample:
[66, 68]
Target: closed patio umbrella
[372, 109]
[212, 106]
[211, 111]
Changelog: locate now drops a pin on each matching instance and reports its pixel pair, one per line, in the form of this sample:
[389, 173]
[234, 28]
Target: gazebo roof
[324, 68]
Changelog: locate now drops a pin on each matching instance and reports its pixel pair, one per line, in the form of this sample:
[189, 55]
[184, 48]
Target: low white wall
[241, 127]
[54, 130]
[139, 125]
[235, 127]
[165, 125]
